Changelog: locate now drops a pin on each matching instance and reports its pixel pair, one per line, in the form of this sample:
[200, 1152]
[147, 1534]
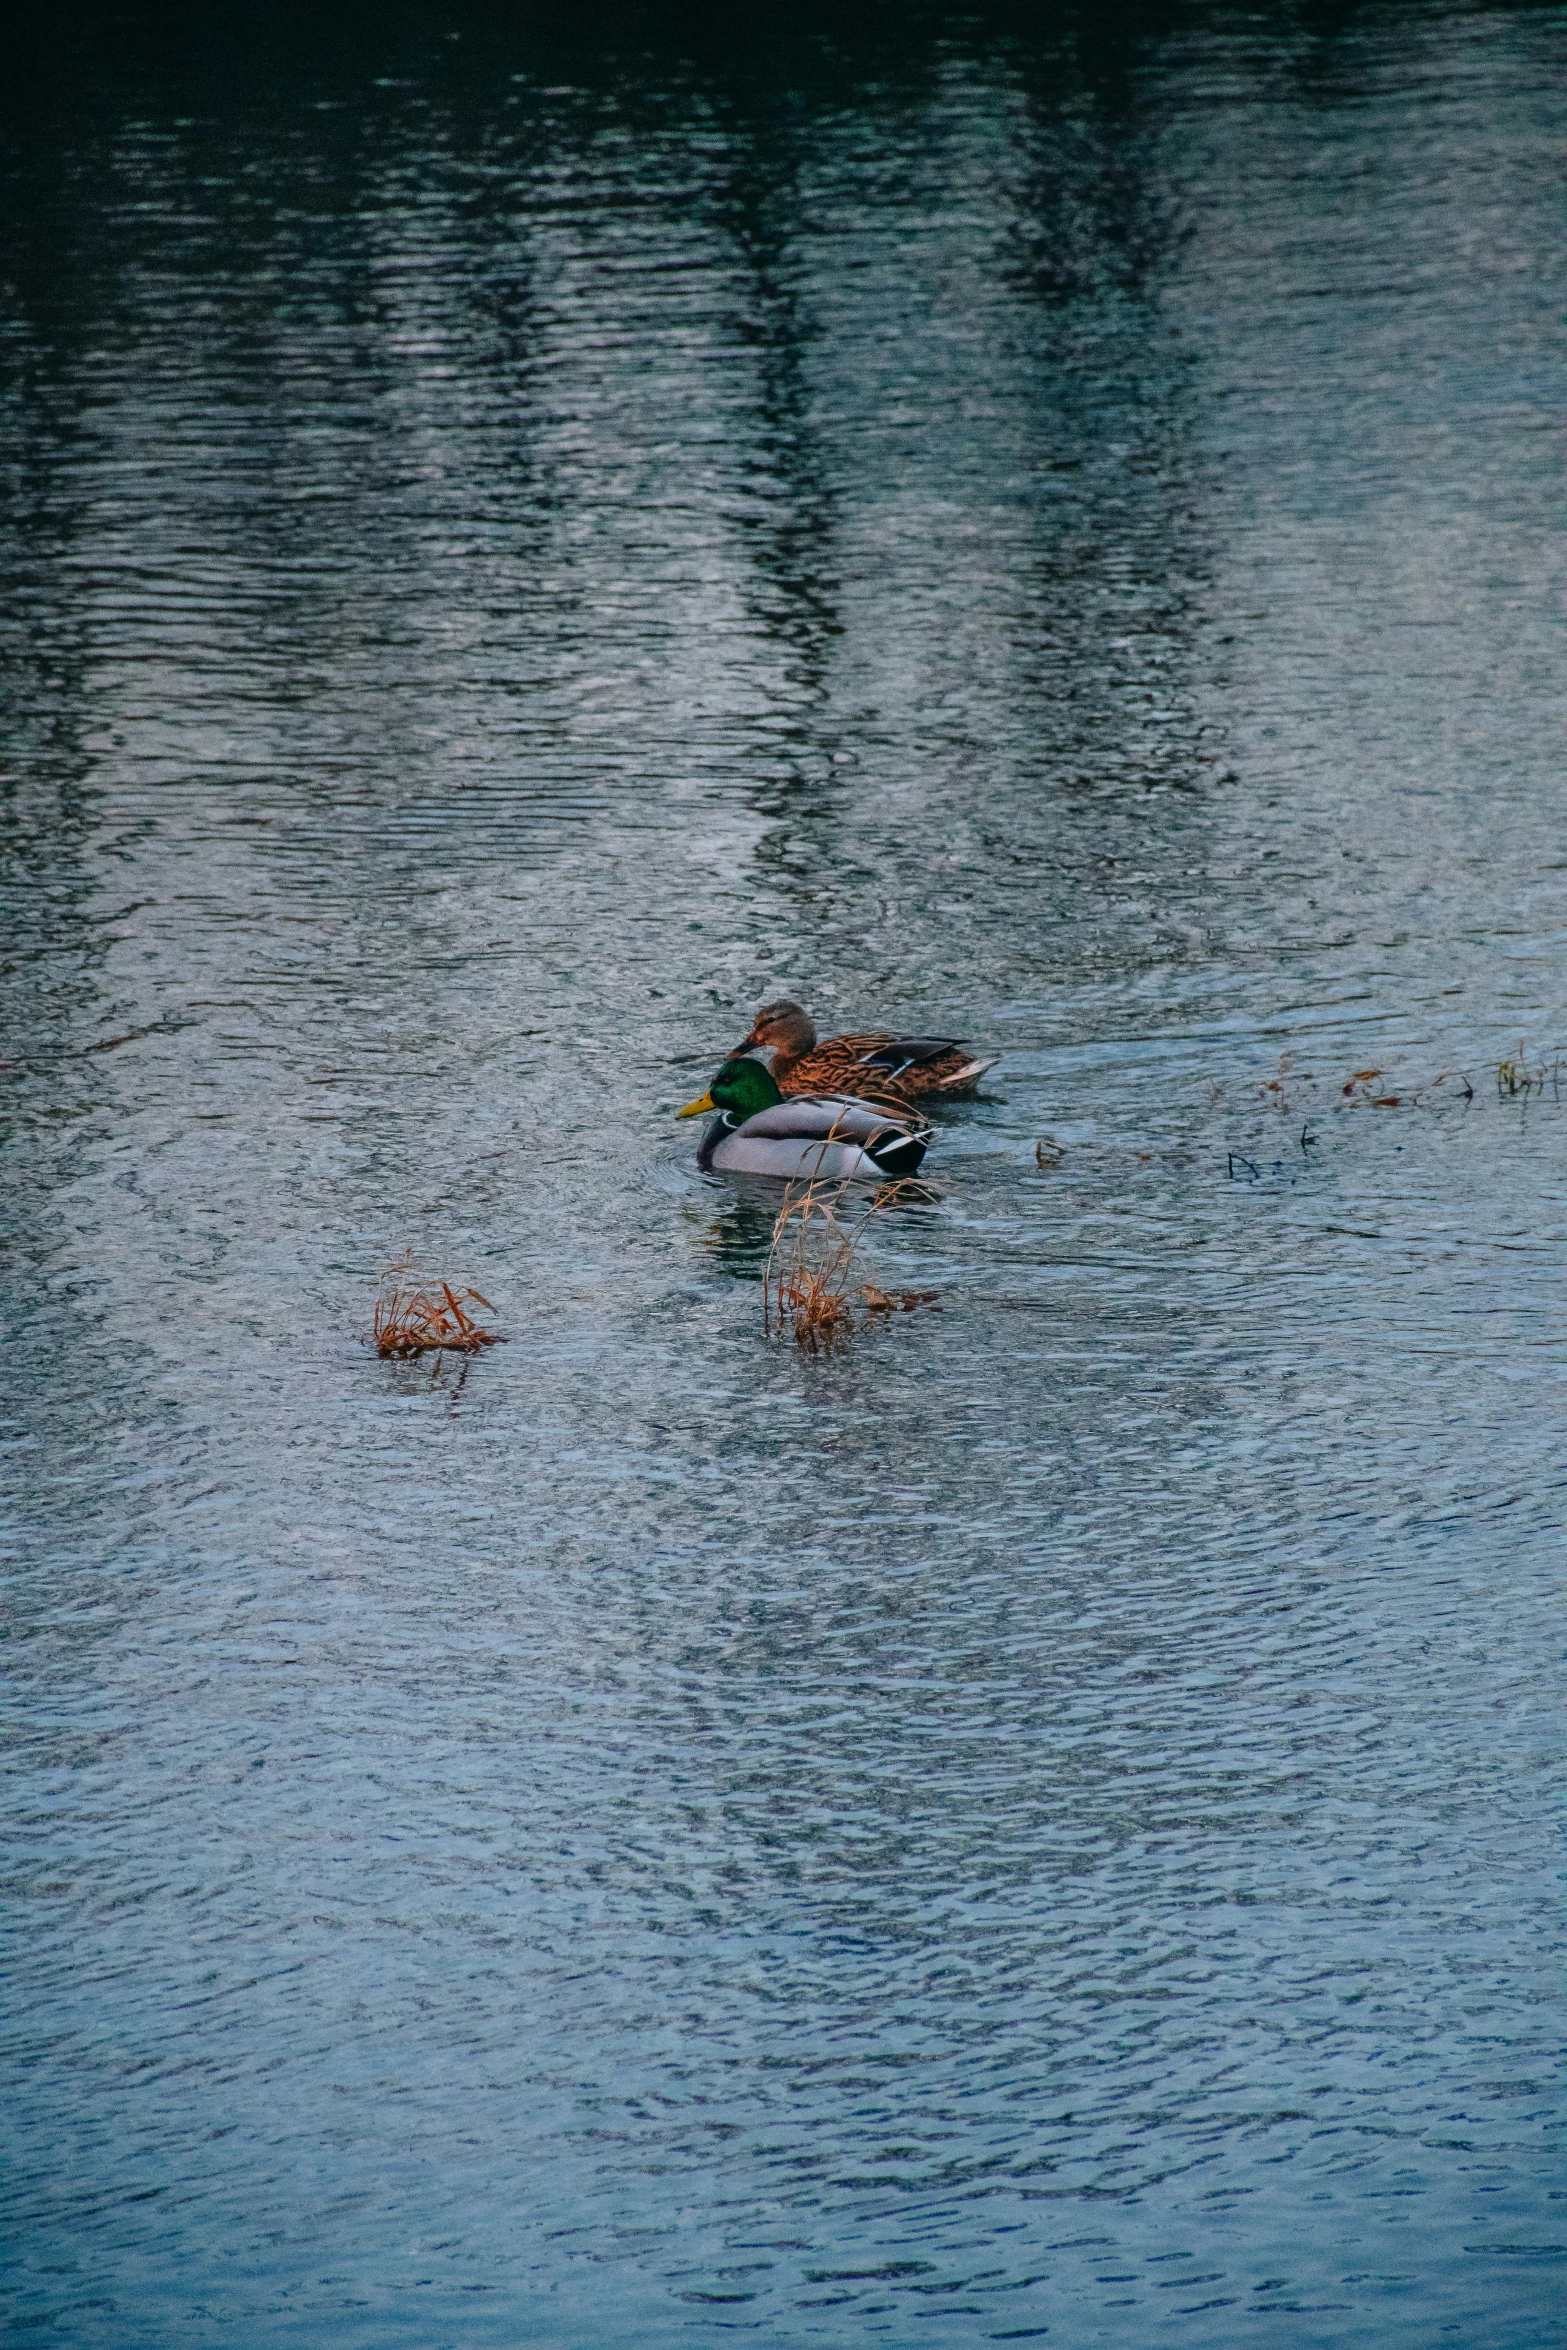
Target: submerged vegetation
[1521, 1075]
[418, 1316]
[1292, 1089]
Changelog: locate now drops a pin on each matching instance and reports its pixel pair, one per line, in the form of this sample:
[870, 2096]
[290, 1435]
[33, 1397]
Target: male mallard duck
[900, 1068]
[757, 1132]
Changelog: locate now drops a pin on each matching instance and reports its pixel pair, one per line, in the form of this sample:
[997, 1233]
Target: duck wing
[826, 1117]
[920, 1065]
[904, 1052]
[884, 1068]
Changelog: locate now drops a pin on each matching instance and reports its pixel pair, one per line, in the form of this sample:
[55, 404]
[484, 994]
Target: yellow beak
[695, 1109]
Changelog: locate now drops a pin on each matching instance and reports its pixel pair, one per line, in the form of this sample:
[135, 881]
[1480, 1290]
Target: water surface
[521, 543]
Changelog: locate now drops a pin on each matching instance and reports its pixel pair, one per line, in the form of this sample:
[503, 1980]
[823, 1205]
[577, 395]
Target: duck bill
[695, 1109]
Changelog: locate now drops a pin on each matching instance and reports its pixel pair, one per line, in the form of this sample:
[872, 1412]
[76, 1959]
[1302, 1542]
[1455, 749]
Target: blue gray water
[521, 543]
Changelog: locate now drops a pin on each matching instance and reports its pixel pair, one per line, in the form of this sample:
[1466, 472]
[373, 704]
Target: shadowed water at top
[524, 541]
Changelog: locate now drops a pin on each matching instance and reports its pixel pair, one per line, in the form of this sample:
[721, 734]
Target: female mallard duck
[876, 1065]
[757, 1132]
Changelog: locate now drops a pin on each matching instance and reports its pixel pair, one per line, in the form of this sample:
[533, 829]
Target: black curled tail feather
[898, 1151]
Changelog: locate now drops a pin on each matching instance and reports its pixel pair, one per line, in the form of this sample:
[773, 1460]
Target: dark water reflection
[520, 544]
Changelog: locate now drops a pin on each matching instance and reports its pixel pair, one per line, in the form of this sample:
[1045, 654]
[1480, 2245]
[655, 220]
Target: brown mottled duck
[875, 1065]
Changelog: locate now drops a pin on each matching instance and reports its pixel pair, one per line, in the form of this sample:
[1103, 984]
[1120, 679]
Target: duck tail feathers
[899, 1152]
[965, 1079]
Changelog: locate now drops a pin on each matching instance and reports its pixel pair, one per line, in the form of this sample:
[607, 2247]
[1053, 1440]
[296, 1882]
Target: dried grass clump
[418, 1317]
[807, 1285]
[806, 1279]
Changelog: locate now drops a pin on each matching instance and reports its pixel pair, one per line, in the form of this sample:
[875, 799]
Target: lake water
[523, 542]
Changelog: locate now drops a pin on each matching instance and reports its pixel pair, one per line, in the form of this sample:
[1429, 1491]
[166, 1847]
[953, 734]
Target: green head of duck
[741, 1088]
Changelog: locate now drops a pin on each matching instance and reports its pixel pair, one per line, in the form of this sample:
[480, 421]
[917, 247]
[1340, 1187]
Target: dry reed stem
[805, 1289]
[415, 1317]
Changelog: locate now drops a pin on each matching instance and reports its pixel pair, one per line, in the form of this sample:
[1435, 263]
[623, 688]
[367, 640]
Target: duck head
[784, 1026]
[740, 1089]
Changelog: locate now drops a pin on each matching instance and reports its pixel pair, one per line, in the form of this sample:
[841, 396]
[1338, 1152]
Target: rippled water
[520, 544]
